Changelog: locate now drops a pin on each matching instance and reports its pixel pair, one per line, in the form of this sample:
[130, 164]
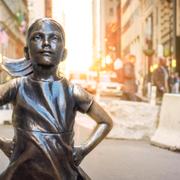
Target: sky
[76, 17]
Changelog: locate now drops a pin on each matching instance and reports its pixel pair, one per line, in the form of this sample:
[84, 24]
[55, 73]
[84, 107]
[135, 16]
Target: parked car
[109, 85]
[110, 88]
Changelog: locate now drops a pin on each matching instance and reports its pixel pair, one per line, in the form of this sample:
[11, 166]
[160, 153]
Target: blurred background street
[114, 47]
[126, 54]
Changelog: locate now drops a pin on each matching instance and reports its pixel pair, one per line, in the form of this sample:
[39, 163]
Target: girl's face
[45, 44]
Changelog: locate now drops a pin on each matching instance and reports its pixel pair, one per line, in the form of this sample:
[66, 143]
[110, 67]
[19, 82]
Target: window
[111, 11]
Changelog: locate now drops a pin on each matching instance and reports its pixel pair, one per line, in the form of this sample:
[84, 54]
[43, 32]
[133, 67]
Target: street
[121, 159]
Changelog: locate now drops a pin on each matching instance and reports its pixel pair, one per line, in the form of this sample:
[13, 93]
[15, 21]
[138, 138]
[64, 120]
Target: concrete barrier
[132, 120]
[167, 134]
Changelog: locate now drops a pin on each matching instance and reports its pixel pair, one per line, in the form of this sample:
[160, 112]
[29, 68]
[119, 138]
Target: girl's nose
[46, 41]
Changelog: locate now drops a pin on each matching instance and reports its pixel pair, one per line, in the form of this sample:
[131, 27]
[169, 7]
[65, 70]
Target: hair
[41, 20]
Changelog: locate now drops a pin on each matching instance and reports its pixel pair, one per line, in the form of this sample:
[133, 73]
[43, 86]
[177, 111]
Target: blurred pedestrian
[130, 86]
[174, 82]
[171, 82]
[177, 81]
[160, 77]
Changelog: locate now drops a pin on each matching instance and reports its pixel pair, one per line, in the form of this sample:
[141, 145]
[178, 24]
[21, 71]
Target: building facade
[34, 12]
[13, 25]
[106, 32]
[150, 28]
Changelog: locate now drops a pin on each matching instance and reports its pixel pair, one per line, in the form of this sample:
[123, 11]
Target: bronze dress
[43, 119]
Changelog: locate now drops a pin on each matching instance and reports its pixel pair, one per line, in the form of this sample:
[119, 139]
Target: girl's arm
[7, 94]
[104, 125]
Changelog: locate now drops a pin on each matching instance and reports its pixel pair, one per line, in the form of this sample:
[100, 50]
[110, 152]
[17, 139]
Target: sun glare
[77, 22]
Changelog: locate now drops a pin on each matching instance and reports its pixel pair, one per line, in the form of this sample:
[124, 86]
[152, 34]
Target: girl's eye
[55, 38]
[37, 37]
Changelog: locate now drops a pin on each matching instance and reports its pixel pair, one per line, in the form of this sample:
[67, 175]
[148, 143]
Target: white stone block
[167, 134]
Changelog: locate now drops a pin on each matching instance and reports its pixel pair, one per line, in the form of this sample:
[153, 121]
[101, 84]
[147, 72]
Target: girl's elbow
[109, 125]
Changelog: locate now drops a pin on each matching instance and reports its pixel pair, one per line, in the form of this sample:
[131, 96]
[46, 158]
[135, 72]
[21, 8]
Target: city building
[106, 33]
[13, 25]
[132, 33]
[176, 32]
[37, 9]
[151, 28]
[112, 29]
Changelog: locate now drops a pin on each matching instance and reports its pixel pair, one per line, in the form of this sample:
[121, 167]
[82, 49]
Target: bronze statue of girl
[44, 111]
